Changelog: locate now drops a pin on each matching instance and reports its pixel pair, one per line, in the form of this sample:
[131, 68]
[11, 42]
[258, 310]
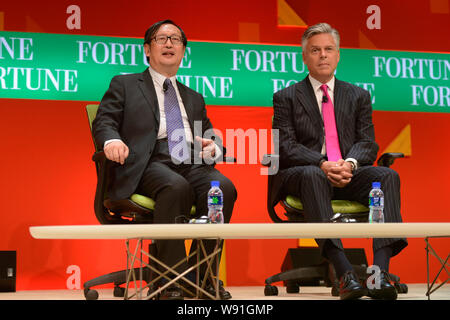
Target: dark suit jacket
[129, 111]
[301, 132]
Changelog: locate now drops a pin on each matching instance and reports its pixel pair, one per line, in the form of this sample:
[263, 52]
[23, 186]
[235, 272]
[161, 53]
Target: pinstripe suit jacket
[301, 129]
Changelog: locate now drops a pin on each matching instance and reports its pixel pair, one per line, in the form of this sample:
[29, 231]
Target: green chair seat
[143, 201]
[341, 206]
[149, 203]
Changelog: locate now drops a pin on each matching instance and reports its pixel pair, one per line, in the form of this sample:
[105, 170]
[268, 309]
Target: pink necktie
[331, 136]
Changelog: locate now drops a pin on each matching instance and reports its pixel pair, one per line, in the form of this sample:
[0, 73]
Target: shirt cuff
[109, 141]
[354, 161]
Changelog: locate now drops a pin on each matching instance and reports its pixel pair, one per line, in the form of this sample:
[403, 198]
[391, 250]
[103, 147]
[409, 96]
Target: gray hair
[318, 29]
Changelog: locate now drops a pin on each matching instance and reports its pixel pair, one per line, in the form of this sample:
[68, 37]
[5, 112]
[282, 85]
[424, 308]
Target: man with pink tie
[327, 149]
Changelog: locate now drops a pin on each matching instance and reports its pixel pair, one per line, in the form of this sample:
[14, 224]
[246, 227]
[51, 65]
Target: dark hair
[149, 34]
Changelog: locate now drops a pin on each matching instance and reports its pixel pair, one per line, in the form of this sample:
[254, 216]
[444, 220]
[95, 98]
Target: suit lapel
[307, 98]
[148, 90]
[340, 103]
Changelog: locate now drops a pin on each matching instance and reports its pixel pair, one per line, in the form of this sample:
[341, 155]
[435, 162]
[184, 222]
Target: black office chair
[137, 209]
[319, 269]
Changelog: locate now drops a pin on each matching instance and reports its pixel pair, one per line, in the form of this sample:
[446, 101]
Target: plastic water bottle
[376, 204]
[215, 203]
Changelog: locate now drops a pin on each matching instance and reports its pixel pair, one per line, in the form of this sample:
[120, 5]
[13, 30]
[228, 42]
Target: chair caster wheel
[90, 294]
[401, 287]
[270, 290]
[119, 292]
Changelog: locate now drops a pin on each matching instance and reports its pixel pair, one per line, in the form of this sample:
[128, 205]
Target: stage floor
[415, 292]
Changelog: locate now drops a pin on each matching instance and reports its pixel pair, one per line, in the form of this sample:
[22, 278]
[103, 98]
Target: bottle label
[376, 202]
[215, 200]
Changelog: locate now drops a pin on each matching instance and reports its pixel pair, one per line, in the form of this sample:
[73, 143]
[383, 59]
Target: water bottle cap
[376, 185]
[215, 183]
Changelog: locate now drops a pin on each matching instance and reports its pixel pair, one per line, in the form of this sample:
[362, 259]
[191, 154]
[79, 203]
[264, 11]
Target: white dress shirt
[158, 81]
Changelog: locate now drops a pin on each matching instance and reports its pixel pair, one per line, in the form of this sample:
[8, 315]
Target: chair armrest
[99, 156]
[388, 158]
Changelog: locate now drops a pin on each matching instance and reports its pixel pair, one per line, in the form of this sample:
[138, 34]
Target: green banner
[77, 67]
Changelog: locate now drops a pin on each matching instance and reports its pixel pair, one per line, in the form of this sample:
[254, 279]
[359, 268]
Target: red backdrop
[49, 179]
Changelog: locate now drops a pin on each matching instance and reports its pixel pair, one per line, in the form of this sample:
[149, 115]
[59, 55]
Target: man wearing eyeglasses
[145, 123]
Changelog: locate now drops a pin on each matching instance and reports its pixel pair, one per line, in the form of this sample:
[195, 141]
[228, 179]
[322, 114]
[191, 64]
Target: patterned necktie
[331, 136]
[176, 137]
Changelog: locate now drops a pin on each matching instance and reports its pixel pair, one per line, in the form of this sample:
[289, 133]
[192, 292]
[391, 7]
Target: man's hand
[116, 151]
[338, 173]
[208, 147]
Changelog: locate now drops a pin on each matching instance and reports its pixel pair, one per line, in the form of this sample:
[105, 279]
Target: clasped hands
[118, 151]
[339, 173]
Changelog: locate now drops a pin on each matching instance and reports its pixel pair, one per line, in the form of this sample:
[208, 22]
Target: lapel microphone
[324, 99]
[165, 86]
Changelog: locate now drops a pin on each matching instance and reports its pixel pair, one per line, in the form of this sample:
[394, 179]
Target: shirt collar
[159, 79]
[316, 84]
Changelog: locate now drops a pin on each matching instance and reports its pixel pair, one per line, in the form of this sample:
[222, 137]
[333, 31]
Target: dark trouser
[310, 184]
[175, 188]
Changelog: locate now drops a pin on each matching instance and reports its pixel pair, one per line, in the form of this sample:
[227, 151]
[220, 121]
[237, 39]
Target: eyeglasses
[176, 40]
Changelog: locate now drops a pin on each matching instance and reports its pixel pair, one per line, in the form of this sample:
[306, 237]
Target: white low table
[246, 231]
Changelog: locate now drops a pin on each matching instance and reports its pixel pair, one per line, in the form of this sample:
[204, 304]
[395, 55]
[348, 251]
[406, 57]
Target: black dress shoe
[223, 294]
[385, 291]
[350, 288]
[171, 293]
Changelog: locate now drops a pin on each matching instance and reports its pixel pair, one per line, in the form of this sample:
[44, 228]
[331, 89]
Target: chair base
[117, 278]
[304, 266]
